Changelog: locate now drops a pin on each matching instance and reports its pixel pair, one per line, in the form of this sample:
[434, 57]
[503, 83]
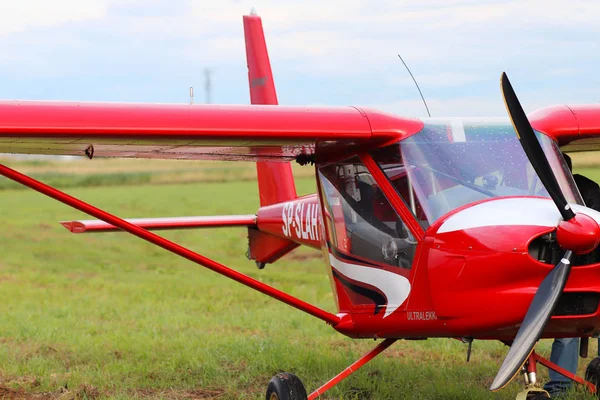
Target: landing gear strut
[280, 387]
[532, 390]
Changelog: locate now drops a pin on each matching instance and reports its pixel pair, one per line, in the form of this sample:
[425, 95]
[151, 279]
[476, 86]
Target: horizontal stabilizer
[217, 221]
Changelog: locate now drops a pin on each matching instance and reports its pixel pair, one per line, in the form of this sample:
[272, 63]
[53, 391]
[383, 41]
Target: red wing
[191, 131]
[575, 127]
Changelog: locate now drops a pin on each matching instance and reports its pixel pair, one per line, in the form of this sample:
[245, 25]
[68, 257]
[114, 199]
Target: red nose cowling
[580, 234]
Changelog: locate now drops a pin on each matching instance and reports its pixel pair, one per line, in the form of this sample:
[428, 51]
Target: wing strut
[166, 244]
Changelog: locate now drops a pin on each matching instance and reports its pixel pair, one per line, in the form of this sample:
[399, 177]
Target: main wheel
[286, 386]
[592, 373]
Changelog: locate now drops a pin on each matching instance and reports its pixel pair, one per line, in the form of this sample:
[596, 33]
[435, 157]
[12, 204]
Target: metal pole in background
[207, 84]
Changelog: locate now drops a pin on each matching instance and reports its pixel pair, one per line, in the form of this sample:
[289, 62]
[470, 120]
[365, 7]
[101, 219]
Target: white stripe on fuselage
[511, 211]
[395, 287]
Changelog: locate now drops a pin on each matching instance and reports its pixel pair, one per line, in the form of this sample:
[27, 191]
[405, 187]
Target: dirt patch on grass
[22, 382]
[173, 394]
[14, 394]
[88, 392]
[25, 350]
[7, 278]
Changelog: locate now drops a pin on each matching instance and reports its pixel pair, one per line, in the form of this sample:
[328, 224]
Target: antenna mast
[415, 81]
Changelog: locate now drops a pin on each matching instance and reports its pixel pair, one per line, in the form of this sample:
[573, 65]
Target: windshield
[455, 162]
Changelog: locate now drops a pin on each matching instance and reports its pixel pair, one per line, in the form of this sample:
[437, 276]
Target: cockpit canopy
[455, 162]
[449, 164]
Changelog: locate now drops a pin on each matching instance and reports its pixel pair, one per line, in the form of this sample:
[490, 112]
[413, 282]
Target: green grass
[110, 316]
[592, 173]
[81, 172]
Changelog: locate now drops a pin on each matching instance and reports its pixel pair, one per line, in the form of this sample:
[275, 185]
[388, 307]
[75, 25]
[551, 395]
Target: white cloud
[441, 79]
[482, 106]
[448, 44]
[19, 16]
[455, 107]
[563, 71]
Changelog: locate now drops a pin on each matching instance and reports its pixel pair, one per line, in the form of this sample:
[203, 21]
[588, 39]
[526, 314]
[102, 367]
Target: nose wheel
[533, 394]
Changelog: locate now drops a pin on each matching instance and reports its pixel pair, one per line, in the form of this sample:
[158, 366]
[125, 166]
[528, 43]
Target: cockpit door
[370, 248]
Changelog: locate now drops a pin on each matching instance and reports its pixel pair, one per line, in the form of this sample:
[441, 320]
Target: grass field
[109, 316]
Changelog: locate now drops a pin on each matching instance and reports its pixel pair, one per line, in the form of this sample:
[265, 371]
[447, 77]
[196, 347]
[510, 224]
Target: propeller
[535, 320]
[547, 296]
[533, 149]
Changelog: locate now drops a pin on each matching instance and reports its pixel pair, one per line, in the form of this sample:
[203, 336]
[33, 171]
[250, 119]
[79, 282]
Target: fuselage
[468, 265]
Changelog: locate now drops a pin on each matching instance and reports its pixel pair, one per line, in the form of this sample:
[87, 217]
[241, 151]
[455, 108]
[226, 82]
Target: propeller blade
[532, 148]
[539, 312]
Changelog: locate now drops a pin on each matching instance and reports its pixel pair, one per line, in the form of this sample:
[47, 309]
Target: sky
[324, 52]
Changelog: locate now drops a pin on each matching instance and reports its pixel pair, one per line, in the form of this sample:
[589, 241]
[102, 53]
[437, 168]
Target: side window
[359, 219]
[403, 176]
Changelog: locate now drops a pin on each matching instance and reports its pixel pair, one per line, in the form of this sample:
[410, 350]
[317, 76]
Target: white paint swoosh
[512, 211]
[502, 212]
[395, 287]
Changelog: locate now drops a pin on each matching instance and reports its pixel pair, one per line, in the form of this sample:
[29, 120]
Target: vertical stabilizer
[275, 179]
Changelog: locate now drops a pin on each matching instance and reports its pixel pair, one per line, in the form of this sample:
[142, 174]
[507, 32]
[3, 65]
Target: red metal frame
[550, 365]
[392, 195]
[352, 368]
[531, 364]
[168, 245]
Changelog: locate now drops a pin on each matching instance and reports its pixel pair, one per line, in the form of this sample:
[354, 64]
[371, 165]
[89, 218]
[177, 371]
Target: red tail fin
[275, 180]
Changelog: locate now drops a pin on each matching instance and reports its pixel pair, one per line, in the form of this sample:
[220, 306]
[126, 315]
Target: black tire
[286, 386]
[592, 373]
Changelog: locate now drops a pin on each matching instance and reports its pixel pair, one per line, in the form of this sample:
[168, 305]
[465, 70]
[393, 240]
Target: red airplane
[456, 228]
